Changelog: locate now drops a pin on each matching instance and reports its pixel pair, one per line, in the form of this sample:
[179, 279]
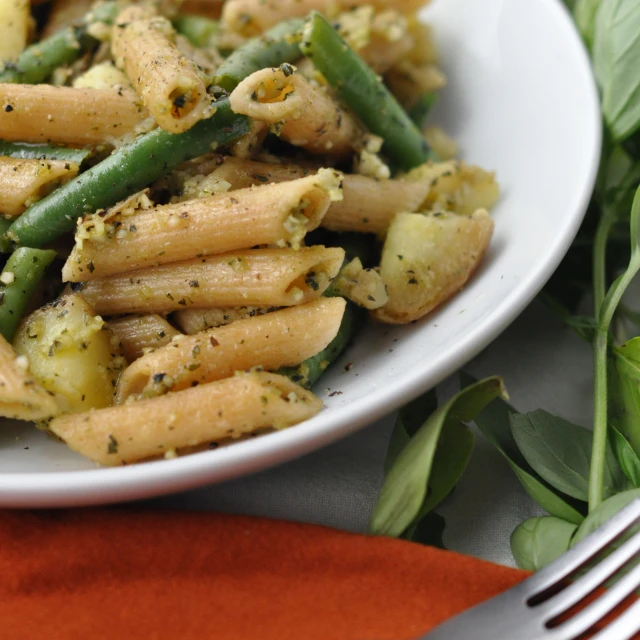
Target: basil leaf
[624, 392]
[584, 13]
[604, 512]
[560, 452]
[405, 487]
[538, 541]
[616, 58]
[493, 422]
[408, 421]
[551, 501]
[626, 456]
[453, 453]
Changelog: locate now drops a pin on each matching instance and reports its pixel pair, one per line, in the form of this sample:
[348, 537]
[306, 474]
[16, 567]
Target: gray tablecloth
[544, 366]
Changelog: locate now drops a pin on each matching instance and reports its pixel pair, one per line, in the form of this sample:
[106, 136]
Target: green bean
[20, 277]
[421, 109]
[278, 45]
[36, 63]
[27, 151]
[200, 31]
[308, 372]
[127, 170]
[5, 244]
[363, 91]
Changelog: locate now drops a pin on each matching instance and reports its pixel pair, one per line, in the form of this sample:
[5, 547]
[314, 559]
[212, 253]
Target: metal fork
[531, 609]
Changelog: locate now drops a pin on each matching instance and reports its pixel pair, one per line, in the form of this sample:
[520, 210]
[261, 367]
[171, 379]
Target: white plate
[520, 100]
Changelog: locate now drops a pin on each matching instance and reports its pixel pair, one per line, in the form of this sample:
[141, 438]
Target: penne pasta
[125, 238]
[15, 23]
[140, 334]
[279, 339]
[211, 412]
[171, 86]
[23, 182]
[192, 321]
[250, 17]
[240, 173]
[21, 397]
[258, 277]
[367, 206]
[44, 113]
[301, 114]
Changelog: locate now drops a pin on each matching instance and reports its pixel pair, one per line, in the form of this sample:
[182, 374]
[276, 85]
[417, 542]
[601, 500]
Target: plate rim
[146, 480]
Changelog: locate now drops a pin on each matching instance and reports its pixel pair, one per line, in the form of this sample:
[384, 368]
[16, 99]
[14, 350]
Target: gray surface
[544, 366]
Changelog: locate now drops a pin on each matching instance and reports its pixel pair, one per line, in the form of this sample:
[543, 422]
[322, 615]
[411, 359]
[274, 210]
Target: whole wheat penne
[192, 321]
[44, 113]
[21, 397]
[171, 86]
[23, 182]
[241, 173]
[255, 277]
[64, 13]
[276, 214]
[140, 334]
[367, 205]
[211, 412]
[278, 339]
[302, 114]
[15, 21]
[250, 17]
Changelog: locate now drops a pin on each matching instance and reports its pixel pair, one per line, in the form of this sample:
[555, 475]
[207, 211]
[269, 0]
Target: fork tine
[599, 608]
[591, 580]
[624, 627]
[575, 557]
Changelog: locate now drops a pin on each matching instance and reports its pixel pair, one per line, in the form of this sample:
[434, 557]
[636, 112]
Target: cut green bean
[422, 108]
[364, 92]
[5, 244]
[278, 45]
[38, 61]
[308, 372]
[26, 151]
[200, 31]
[20, 277]
[127, 170]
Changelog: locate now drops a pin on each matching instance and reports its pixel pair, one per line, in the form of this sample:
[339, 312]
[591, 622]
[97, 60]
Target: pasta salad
[201, 203]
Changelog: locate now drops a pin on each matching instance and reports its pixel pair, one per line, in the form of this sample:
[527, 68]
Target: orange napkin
[120, 574]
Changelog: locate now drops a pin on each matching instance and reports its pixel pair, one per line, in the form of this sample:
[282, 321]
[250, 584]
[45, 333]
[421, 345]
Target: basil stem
[600, 348]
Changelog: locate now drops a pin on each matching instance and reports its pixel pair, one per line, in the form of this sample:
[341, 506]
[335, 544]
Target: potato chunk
[427, 258]
[21, 397]
[71, 353]
[456, 186]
